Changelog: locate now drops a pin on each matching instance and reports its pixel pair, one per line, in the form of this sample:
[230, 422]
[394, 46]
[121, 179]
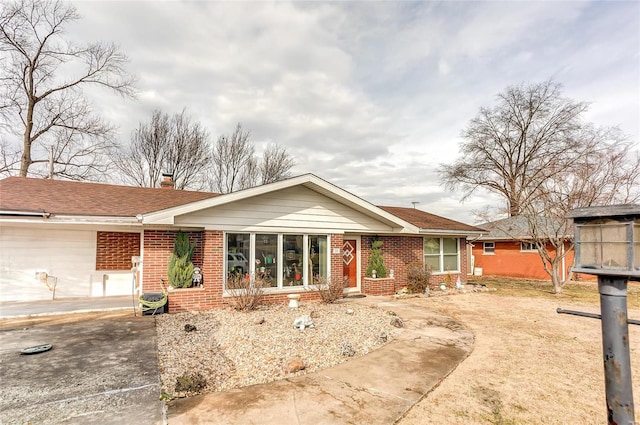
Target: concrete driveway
[103, 368]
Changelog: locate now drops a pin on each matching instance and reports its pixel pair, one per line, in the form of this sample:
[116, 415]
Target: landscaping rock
[347, 350]
[294, 365]
[397, 322]
[349, 311]
[190, 328]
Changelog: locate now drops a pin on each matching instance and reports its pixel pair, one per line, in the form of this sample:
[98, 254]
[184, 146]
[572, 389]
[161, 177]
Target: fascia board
[73, 220]
[441, 232]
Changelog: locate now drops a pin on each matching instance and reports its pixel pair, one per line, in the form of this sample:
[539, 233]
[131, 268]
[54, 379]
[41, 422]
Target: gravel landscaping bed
[230, 349]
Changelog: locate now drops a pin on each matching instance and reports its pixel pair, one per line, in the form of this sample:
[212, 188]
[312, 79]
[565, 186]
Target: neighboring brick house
[85, 234]
[508, 250]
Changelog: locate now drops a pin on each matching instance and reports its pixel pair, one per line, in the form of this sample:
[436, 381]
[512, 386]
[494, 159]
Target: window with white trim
[489, 248]
[280, 260]
[528, 247]
[442, 255]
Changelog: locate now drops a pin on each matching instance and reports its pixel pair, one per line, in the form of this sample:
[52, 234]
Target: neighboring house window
[280, 260]
[442, 254]
[528, 246]
[489, 248]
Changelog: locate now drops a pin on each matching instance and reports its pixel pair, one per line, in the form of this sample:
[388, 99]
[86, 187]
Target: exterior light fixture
[607, 241]
[607, 245]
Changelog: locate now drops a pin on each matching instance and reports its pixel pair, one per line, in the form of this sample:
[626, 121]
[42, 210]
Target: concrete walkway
[378, 388]
[13, 309]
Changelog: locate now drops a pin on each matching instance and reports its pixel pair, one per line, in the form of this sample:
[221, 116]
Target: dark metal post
[615, 350]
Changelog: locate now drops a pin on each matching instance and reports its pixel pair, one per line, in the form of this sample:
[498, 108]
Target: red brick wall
[509, 261]
[337, 272]
[158, 246]
[398, 252]
[115, 249]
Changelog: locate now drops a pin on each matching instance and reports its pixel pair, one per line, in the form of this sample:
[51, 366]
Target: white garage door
[68, 255]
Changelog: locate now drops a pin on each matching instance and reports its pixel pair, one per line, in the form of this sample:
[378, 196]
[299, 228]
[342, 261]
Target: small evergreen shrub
[376, 261]
[180, 268]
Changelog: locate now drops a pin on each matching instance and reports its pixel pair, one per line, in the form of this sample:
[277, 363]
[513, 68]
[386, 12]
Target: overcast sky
[370, 96]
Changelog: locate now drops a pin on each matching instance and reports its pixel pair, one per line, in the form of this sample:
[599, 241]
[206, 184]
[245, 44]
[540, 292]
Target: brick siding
[115, 249]
[398, 252]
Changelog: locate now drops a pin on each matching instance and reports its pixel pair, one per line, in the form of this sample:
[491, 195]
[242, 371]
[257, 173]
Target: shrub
[247, 293]
[180, 271]
[330, 290]
[376, 261]
[180, 268]
[191, 383]
[417, 277]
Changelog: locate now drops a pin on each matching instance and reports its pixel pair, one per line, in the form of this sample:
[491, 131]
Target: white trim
[441, 255]
[307, 280]
[310, 181]
[484, 248]
[528, 250]
[358, 287]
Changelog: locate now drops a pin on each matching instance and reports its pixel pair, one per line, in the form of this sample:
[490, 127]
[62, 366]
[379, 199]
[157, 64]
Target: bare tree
[604, 171]
[233, 163]
[276, 164]
[48, 108]
[174, 144]
[535, 150]
[236, 167]
[513, 147]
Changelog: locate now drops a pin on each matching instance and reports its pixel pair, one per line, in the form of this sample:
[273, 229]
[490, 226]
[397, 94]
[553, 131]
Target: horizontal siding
[292, 208]
[69, 255]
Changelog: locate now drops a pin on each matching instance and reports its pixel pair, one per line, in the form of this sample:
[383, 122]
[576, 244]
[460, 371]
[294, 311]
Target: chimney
[167, 181]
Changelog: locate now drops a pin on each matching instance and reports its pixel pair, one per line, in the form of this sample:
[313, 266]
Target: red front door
[349, 262]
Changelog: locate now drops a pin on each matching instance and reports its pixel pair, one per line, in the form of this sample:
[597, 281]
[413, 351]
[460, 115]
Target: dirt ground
[529, 365]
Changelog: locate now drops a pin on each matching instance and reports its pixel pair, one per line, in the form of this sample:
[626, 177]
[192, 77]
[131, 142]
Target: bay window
[442, 255]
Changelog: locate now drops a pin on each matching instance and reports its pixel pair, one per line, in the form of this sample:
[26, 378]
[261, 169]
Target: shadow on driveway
[103, 368]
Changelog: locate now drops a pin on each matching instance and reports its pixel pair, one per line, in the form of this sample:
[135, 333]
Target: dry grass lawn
[529, 365]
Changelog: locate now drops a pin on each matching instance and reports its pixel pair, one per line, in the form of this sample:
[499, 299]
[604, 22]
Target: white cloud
[371, 96]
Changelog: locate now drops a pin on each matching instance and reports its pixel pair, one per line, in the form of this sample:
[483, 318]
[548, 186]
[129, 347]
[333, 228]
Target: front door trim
[358, 265]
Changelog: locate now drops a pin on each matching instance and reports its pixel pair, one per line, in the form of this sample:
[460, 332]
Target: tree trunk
[555, 276]
[25, 159]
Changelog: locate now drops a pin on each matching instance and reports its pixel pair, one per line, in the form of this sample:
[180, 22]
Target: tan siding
[294, 208]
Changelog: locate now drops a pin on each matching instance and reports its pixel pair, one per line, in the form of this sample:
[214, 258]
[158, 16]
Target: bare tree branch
[50, 107]
[276, 164]
[534, 149]
[173, 144]
[235, 166]
[511, 147]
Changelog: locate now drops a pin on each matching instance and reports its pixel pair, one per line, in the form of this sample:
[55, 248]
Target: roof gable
[308, 181]
[63, 197]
